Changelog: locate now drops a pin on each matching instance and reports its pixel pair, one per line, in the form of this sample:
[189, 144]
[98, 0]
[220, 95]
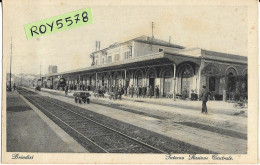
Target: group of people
[81, 87]
[145, 91]
[9, 88]
[139, 91]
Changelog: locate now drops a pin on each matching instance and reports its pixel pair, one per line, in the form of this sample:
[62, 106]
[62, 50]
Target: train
[58, 83]
[39, 82]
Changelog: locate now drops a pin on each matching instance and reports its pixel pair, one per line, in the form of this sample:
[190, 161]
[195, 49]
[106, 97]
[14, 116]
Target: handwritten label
[199, 157]
[59, 23]
[17, 156]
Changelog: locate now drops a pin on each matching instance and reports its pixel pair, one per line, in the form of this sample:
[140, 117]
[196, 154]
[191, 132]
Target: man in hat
[204, 98]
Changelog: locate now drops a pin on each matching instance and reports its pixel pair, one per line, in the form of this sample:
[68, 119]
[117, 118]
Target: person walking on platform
[147, 91]
[204, 98]
[66, 90]
[14, 86]
[150, 91]
[136, 91]
[144, 91]
[157, 91]
[128, 91]
[131, 90]
[125, 90]
[140, 91]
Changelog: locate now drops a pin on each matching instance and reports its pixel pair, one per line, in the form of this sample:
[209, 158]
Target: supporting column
[107, 77]
[125, 78]
[202, 63]
[96, 80]
[173, 82]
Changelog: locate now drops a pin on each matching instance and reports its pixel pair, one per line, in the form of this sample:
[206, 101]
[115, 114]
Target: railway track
[92, 135]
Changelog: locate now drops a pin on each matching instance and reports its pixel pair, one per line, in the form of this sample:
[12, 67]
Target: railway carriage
[49, 84]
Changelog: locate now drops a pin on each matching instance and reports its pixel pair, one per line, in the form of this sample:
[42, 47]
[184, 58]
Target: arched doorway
[185, 75]
[186, 80]
[232, 80]
[244, 82]
[151, 78]
[151, 75]
[212, 76]
[139, 78]
[231, 87]
[167, 82]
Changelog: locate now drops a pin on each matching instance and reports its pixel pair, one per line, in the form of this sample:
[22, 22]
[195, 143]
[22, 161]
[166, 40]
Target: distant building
[52, 69]
[147, 61]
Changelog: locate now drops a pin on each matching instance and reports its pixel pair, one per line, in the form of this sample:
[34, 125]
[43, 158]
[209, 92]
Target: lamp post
[11, 68]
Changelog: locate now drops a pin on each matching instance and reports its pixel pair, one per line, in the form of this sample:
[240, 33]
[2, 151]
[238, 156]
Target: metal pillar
[96, 79]
[174, 79]
[202, 63]
[125, 79]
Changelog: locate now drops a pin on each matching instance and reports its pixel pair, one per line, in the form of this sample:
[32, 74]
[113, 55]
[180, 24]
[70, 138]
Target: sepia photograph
[129, 82]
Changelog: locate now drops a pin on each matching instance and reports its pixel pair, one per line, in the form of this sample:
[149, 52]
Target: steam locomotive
[58, 83]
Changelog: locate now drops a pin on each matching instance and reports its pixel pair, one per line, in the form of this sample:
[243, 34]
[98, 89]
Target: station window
[128, 54]
[109, 59]
[160, 49]
[116, 57]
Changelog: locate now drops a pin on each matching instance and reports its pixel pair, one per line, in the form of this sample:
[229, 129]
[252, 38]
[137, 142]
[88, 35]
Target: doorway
[151, 83]
[167, 83]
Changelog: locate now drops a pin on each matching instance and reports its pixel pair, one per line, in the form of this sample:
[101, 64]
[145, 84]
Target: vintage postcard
[135, 81]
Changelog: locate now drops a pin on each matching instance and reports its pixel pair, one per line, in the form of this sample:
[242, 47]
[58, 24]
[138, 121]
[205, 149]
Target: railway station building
[147, 61]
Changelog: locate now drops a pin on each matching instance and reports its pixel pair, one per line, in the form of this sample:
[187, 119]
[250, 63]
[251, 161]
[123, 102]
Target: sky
[216, 28]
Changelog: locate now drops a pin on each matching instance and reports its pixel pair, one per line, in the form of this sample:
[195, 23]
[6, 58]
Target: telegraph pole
[21, 75]
[41, 73]
[11, 67]
[40, 70]
[152, 29]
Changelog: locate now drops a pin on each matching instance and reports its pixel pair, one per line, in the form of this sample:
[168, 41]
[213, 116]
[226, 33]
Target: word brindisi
[59, 23]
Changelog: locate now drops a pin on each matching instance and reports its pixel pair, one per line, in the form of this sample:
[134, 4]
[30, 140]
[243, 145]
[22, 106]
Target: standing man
[66, 90]
[140, 91]
[157, 91]
[132, 91]
[150, 91]
[144, 91]
[14, 86]
[204, 98]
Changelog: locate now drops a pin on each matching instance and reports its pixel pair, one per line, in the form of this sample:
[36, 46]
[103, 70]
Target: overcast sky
[216, 28]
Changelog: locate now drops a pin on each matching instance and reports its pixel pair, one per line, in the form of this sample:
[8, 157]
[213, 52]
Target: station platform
[31, 131]
[220, 131]
[213, 106]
